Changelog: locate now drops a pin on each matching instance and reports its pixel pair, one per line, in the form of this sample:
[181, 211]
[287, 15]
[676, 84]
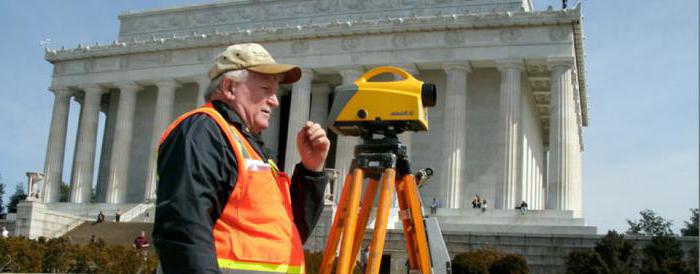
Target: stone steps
[506, 213]
[91, 210]
[112, 233]
[520, 220]
[517, 228]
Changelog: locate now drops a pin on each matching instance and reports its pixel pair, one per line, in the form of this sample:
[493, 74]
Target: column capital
[166, 83]
[505, 64]
[202, 81]
[92, 88]
[127, 86]
[350, 72]
[306, 75]
[61, 90]
[562, 61]
[449, 66]
[321, 88]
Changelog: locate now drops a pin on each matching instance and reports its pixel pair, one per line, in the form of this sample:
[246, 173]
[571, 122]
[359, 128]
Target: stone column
[56, 148]
[345, 145]
[121, 146]
[202, 86]
[272, 134]
[563, 138]
[319, 103]
[511, 186]
[161, 119]
[84, 158]
[319, 111]
[298, 115]
[545, 179]
[455, 142]
[107, 140]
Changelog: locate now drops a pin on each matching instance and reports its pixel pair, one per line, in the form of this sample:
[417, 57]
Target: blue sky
[641, 146]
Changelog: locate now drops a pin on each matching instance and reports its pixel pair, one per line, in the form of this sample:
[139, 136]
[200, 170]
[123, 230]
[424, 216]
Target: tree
[475, 261]
[586, 262]
[2, 194]
[650, 225]
[616, 252]
[691, 228]
[664, 255]
[64, 193]
[510, 264]
[19, 195]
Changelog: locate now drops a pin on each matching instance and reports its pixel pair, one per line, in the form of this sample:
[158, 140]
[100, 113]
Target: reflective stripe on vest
[255, 232]
[229, 266]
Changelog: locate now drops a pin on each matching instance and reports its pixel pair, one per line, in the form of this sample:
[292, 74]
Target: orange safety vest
[255, 232]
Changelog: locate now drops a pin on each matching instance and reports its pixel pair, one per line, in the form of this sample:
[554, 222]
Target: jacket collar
[235, 120]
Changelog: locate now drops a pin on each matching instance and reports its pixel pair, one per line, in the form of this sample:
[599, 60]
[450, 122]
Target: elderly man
[223, 205]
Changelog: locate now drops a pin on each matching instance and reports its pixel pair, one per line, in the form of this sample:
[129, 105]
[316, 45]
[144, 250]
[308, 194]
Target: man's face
[254, 100]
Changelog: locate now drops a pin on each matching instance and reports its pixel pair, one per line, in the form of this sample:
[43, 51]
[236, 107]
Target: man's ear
[227, 86]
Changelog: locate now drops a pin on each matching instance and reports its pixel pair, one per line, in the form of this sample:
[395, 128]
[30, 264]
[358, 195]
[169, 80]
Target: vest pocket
[252, 248]
[265, 230]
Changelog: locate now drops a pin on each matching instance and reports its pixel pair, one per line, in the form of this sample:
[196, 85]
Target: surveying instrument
[377, 111]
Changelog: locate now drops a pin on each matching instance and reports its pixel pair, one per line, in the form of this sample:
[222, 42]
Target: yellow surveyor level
[366, 107]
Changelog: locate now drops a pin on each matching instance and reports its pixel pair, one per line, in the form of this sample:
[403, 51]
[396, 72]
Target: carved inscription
[558, 34]
[350, 43]
[510, 35]
[454, 38]
[300, 47]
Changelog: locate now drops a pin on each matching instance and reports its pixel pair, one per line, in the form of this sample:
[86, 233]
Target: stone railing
[135, 212]
[77, 221]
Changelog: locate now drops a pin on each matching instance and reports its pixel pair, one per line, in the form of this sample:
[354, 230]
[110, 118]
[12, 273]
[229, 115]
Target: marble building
[507, 126]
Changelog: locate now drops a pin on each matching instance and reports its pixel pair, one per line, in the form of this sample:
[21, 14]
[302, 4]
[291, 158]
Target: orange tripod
[385, 163]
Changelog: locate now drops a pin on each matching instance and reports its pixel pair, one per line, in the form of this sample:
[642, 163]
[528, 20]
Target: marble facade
[507, 126]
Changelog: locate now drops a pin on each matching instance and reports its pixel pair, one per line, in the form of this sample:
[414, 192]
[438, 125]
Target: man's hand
[313, 146]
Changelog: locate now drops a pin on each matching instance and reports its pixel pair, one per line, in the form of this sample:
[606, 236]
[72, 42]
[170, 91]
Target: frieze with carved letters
[510, 35]
[454, 38]
[250, 14]
[559, 34]
[350, 43]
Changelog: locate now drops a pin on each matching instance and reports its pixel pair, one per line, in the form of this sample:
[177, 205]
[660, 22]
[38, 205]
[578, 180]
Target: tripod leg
[336, 228]
[413, 227]
[377, 245]
[365, 210]
[350, 223]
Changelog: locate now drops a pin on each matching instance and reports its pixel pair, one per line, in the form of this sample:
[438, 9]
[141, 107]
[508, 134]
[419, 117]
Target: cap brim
[291, 73]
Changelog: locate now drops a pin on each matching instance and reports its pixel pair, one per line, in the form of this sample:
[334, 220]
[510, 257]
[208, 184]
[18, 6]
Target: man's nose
[273, 101]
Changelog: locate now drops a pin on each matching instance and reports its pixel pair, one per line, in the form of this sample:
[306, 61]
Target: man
[222, 203]
[100, 217]
[523, 207]
[141, 244]
[434, 207]
[140, 241]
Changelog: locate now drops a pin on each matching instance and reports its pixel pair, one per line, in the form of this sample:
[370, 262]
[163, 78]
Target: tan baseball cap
[255, 58]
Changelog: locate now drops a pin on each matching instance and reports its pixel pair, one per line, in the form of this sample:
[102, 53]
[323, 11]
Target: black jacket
[197, 172]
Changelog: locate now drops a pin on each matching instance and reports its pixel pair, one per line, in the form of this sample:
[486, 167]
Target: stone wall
[35, 220]
[545, 253]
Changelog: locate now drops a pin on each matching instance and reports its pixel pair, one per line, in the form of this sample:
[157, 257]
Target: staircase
[110, 232]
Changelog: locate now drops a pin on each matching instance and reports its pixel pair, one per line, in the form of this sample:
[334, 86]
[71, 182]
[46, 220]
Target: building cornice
[311, 31]
[580, 66]
[228, 15]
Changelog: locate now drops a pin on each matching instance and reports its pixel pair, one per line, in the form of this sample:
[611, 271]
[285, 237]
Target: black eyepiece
[429, 94]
